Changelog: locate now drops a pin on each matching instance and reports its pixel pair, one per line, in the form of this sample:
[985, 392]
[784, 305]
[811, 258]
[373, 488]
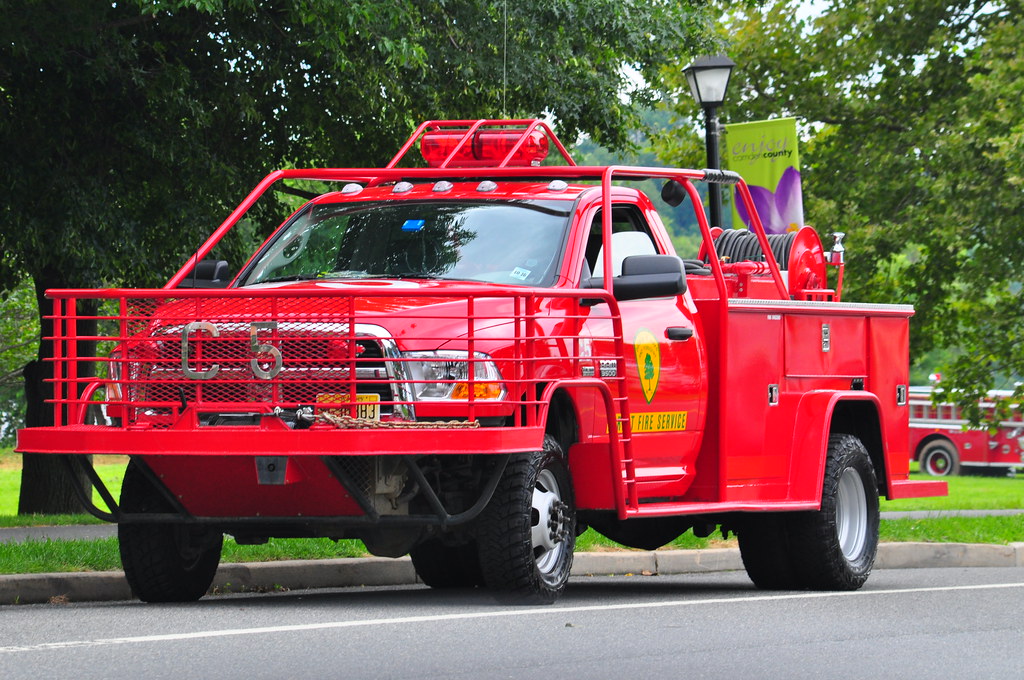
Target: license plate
[367, 405]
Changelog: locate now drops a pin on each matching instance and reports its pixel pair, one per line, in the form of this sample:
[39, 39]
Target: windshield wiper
[351, 275]
[400, 275]
[416, 275]
[290, 277]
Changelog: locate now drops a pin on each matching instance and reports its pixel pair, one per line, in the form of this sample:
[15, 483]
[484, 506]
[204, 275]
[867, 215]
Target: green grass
[591, 540]
[44, 557]
[999, 530]
[38, 557]
[10, 484]
[965, 493]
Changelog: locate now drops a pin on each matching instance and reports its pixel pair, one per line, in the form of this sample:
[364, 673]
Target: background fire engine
[943, 443]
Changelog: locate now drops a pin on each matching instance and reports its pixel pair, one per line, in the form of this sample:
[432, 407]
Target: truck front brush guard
[440, 517]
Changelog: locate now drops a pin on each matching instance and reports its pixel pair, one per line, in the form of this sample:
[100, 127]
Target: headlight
[444, 375]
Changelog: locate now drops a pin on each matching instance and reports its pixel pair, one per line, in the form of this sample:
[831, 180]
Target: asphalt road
[919, 623]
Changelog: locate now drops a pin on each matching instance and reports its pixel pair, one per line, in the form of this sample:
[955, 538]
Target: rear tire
[835, 547]
[528, 530]
[164, 561]
[445, 566]
[939, 458]
[832, 548]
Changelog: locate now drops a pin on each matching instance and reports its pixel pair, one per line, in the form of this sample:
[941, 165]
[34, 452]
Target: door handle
[678, 333]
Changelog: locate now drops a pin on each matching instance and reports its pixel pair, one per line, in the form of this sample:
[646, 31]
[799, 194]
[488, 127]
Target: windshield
[518, 242]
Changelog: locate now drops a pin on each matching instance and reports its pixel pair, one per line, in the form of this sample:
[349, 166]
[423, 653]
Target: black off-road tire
[164, 562]
[766, 552]
[527, 533]
[939, 458]
[446, 566]
[834, 548]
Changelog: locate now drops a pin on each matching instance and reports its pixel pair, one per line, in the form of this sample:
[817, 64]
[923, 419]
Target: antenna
[504, 65]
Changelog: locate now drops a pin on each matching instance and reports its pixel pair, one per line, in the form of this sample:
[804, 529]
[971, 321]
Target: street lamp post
[709, 79]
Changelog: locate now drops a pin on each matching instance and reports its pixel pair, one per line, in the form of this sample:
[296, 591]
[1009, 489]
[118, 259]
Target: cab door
[666, 370]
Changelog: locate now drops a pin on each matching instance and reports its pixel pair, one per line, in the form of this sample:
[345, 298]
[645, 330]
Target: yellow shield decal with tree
[648, 361]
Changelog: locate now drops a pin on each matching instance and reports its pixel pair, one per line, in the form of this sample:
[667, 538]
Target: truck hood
[386, 288]
[417, 322]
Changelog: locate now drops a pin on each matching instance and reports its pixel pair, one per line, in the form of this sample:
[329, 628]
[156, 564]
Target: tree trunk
[46, 486]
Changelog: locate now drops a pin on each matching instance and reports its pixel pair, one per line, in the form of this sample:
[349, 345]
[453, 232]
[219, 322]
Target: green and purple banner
[765, 154]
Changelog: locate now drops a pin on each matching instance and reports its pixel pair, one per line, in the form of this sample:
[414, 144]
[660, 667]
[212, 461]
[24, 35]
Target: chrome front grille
[162, 371]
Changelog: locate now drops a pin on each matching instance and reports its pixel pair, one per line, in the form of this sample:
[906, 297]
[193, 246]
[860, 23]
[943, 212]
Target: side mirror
[646, 276]
[650, 276]
[673, 193]
[207, 274]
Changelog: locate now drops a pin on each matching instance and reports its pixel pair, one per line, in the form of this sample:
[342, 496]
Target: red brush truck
[435, 360]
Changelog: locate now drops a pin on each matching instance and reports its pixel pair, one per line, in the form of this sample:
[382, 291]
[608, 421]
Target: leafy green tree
[679, 220]
[19, 341]
[131, 129]
[913, 124]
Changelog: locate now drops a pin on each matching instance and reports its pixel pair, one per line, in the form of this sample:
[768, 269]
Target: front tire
[164, 561]
[528, 530]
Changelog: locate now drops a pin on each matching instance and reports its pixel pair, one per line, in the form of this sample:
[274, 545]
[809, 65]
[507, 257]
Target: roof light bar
[483, 148]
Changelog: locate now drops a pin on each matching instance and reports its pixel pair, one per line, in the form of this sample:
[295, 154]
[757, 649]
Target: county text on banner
[765, 153]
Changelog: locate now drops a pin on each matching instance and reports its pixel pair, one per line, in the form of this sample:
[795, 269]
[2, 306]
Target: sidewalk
[90, 532]
[73, 532]
[378, 571]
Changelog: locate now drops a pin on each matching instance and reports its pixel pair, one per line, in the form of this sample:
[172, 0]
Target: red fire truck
[944, 444]
[471, 358]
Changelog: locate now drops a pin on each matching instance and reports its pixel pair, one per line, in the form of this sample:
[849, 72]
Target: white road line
[499, 613]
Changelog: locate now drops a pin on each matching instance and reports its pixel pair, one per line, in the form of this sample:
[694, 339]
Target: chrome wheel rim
[851, 514]
[549, 523]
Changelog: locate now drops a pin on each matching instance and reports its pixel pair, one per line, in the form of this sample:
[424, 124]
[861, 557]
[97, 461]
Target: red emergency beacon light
[483, 148]
[483, 144]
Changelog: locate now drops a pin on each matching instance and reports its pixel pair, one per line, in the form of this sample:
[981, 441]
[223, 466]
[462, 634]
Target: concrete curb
[378, 571]
[346, 572]
[912, 555]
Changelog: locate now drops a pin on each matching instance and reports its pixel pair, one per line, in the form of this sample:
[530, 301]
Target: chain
[350, 423]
